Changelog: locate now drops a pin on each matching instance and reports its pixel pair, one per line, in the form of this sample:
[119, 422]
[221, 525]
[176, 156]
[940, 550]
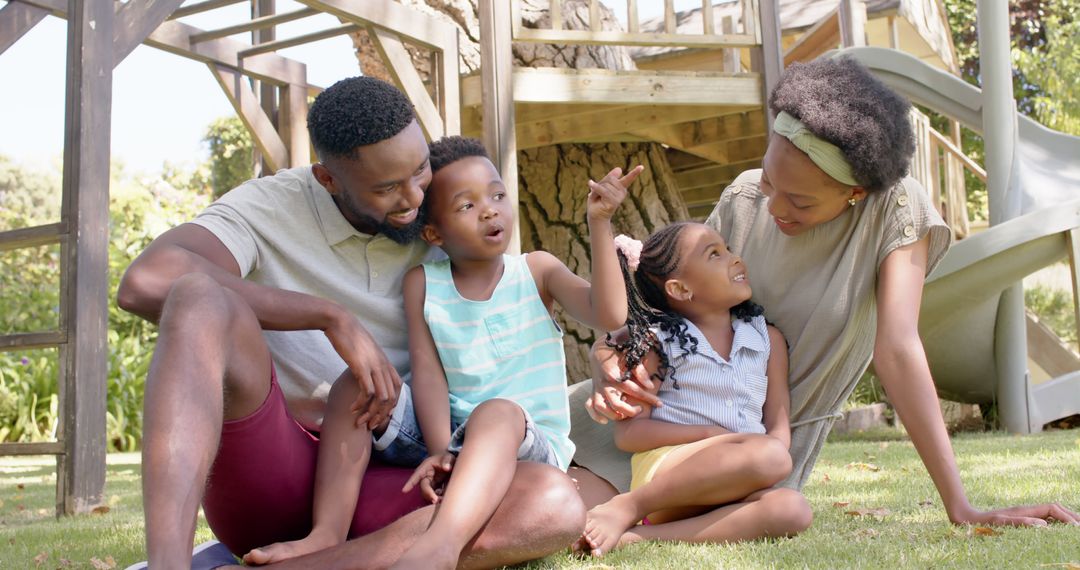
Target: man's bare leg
[211, 364]
[540, 514]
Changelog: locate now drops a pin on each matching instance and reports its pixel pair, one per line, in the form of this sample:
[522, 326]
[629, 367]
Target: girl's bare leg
[477, 485]
[714, 471]
[344, 451]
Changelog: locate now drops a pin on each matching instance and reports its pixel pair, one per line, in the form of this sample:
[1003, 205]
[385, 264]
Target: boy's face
[469, 213]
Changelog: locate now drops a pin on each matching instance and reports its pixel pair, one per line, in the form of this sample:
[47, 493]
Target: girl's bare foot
[605, 524]
[279, 551]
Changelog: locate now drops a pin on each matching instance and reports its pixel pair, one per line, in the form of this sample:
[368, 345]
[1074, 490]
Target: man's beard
[403, 235]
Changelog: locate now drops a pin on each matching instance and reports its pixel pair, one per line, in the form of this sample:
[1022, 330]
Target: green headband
[826, 155]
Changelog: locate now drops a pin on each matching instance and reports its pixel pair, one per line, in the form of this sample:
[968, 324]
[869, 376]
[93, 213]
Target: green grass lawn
[879, 472]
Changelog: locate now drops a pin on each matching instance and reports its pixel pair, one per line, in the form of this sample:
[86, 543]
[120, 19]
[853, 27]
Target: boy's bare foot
[429, 553]
[279, 551]
[605, 524]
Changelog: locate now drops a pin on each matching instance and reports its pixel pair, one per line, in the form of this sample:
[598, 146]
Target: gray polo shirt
[286, 232]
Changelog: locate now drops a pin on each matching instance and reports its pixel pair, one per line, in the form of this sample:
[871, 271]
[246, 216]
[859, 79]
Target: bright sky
[162, 103]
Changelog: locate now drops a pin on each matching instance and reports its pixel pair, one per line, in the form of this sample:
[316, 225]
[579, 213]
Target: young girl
[721, 433]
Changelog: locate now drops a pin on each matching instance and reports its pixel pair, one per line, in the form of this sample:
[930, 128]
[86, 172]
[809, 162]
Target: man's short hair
[839, 100]
[355, 112]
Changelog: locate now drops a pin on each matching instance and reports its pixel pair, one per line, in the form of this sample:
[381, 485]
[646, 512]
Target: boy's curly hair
[356, 112]
[840, 101]
[648, 308]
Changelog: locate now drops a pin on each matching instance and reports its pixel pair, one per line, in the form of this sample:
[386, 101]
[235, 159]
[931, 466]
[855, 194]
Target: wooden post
[1074, 266]
[632, 24]
[732, 63]
[267, 91]
[16, 19]
[496, 70]
[771, 64]
[707, 18]
[294, 131]
[852, 23]
[84, 282]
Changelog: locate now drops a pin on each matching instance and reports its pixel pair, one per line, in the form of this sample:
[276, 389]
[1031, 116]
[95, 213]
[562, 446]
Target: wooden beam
[33, 236]
[551, 85]
[852, 23]
[1074, 272]
[669, 16]
[135, 20]
[707, 21]
[36, 448]
[1047, 350]
[200, 7]
[588, 37]
[821, 37]
[254, 24]
[555, 13]
[31, 341]
[772, 54]
[269, 47]
[497, 81]
[632, 24]
[594, 15]
[449, 82]
[711, 175]
[84, 268]
[400, 65]
[174, 37]
[732, 61]
[16, 19]
[600, 123]
[723, 152]
[294, 108]
[728, 127]
[243, 99]
[420, 28]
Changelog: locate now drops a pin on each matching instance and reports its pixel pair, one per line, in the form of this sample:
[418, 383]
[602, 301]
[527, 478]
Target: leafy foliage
[230, 154]
[139, 210]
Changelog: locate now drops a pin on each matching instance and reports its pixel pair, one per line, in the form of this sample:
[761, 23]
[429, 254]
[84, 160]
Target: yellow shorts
[643, 465]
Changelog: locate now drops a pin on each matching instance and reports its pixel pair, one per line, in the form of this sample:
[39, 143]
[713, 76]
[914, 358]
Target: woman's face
[800, 194]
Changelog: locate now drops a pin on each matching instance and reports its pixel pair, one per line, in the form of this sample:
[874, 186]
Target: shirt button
[909, 231]
[375, 274]
[729, 403]
[902, 200]
[736, 190]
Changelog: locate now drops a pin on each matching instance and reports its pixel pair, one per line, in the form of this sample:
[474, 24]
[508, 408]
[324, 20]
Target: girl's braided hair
[648, 307]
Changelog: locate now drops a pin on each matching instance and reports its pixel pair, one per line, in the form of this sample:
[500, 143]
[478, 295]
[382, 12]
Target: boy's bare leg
[477, 485]
[344, 452]
[766, 513]
[713, 471]
[540, 514]
[211, 364]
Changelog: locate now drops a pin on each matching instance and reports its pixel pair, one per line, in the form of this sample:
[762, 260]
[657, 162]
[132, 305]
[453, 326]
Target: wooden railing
[749, 34]
[940, 165]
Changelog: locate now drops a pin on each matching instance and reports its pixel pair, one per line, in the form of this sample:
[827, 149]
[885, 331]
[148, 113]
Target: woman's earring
[851, 201]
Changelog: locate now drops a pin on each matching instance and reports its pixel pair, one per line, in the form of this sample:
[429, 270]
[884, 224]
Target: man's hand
[612, 399]
[606, 195]
[432, 474]
[379, 382]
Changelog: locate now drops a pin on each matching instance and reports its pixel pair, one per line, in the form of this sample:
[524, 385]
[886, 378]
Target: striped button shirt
[506, 347]
[713, 390]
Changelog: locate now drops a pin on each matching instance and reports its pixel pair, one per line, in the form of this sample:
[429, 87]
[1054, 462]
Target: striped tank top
[713, 390]
[505, 347]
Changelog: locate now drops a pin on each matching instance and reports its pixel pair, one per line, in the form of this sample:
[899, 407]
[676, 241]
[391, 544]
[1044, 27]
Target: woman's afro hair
[840, 101]
[356, 112]
[448, 150]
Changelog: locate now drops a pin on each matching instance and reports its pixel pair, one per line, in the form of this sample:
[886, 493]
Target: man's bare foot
[429, 553]
[279, 551]
[605, 524]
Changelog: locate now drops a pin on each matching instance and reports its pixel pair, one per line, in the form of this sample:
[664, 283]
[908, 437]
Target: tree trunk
[552, 179]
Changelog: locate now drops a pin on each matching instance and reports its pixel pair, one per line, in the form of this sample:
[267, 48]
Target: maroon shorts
[261, 486]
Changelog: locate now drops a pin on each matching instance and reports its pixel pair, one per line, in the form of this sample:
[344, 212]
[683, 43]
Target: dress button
[375, 274]
[729, 403]
[909, 231]
[902, 200]
[736, 190]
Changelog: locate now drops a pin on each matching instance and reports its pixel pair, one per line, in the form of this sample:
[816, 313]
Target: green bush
[1054, 308]
[140, 208]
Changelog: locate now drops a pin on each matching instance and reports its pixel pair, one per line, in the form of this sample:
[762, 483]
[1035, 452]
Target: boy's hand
[606, 195]
[432, 474]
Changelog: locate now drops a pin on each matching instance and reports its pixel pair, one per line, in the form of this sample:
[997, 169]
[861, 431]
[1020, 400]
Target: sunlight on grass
[864, 474]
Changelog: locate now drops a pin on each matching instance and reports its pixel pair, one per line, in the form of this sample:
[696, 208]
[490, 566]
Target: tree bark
[552, 179]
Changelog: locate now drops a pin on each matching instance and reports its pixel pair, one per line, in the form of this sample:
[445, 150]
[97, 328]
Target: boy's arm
[431, 396]
[603, 305]
[642, 433]
[776, 414]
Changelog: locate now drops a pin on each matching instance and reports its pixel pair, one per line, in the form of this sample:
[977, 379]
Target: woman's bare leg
[344, 452]
[713, 471]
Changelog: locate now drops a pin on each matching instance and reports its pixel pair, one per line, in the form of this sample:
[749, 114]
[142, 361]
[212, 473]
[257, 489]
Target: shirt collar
[747, 336]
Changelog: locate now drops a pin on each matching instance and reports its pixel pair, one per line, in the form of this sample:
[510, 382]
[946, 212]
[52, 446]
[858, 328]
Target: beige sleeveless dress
[819, 289]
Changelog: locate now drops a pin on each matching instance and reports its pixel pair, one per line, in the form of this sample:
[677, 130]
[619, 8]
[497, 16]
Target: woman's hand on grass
[1029, 515]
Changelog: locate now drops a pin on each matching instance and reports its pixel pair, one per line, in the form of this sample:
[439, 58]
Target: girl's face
[469, 213]
[800, 194]
[709, 276]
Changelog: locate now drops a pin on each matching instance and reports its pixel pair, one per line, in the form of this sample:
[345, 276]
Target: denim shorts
[403, 443]
[534, 447]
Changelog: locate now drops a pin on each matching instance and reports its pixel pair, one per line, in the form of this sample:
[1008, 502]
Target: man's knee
[192, 298]
[546, 503]
[556, 499]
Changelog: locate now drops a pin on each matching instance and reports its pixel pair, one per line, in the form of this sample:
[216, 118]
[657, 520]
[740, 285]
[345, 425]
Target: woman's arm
[776, 414]
[431, 396]
[900, 362]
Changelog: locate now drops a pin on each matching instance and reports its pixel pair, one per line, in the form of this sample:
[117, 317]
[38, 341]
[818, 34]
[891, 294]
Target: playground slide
[960, 303]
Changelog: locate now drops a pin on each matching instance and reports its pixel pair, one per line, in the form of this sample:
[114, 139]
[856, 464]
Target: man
[262, 300]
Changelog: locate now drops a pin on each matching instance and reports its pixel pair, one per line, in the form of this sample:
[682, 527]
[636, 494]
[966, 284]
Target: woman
[838, 242]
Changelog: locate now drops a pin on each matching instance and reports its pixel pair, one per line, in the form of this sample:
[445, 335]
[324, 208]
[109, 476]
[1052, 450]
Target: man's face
[382, 190]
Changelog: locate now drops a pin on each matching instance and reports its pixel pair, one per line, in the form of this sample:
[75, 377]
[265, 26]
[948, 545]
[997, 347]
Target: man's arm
[190, 248]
